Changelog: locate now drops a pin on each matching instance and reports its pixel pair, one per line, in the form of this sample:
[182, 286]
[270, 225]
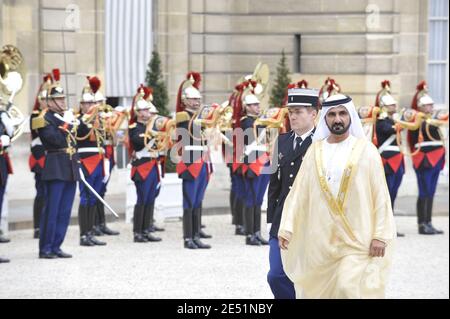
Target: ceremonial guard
[193, 167]
[95, 168]
[385, 138]
[37, 156]
[144, 160]
[106, 115]
[428, 155]
[292, 146]
[11, 118]
[6, 133]
[56, 129]
[254, 158]
[237, 190]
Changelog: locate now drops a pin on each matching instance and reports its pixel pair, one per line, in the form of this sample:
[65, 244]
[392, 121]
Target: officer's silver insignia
[280, 156]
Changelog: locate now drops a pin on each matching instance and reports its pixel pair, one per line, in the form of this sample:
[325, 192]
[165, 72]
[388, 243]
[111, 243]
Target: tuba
[12, 72]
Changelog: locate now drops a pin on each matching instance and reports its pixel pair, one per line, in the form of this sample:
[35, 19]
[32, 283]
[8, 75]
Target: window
[438, 52]
[297, 53]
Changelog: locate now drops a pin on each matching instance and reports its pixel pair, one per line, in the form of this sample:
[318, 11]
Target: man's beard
[339, 128]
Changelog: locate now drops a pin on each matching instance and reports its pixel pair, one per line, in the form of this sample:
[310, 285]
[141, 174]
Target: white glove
[5, 140]
[119, 109]
[269, 226]
[68, 117]
[8, 123]
[106, 166]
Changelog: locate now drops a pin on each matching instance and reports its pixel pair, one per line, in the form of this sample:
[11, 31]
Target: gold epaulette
[182, 117]
[243, 118]
[132, 125]
[38, 122]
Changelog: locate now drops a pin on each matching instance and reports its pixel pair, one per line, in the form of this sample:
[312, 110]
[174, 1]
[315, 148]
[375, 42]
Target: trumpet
[12, 72]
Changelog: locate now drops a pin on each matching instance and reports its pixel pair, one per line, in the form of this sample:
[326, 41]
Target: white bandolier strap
[391, 148]
[90, 150]
[145, 153]
[255, 148]
[36, 141]
[108, 143]
[195, 148]
[429, 143]
[387, 144]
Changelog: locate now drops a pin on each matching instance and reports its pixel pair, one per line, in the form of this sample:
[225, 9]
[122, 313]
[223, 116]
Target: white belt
[195, 148]
[36, 141]
[255, 148]
[108, 143]
[429, 143]
[145, 153]
[393, 148]
[90, 150]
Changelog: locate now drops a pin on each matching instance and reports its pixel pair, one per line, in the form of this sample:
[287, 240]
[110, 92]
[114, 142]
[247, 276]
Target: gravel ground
[123, 269]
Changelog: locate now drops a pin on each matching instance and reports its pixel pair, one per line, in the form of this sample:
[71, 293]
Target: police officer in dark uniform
[193, 167]
[37, 156]
[427, 147]
[145, 172]
[56, 129]
[385, 138]
[292, 147]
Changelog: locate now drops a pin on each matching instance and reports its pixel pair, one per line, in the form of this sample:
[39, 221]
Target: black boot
[4, 260]
[196, 222]
[239, 206]
[201, 232]
[424, 229]
[153, 228]
[257, 225]
[92, 213]
[138, 224]
[188, 230]
[233, 208]
[38, 207]
[429, 214]
[249, 222]
[84, 224]
[148, 217]
[96, 225]
[102, 221]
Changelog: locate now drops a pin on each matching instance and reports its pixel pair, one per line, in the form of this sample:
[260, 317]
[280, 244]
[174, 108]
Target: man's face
[391, 108]
[254, 109]
[427, 108]
[192, 104]
[302, 118]
[43, 103]
[57, 105]
[338, 120]
[144, 115]
[86, 107]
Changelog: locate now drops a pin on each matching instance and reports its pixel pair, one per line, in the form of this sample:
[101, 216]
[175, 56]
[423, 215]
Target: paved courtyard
[123, 269]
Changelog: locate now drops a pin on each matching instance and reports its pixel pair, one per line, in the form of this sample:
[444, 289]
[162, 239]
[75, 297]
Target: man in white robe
[337, 229]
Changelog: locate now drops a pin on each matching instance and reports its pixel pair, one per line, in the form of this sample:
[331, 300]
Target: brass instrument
[12, 75]
[214, 119]
[160, 128]
[272, 118]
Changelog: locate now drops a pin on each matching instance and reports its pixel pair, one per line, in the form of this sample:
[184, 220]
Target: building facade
[357, 42]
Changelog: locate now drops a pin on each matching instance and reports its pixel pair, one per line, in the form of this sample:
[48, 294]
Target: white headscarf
[322, 130]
